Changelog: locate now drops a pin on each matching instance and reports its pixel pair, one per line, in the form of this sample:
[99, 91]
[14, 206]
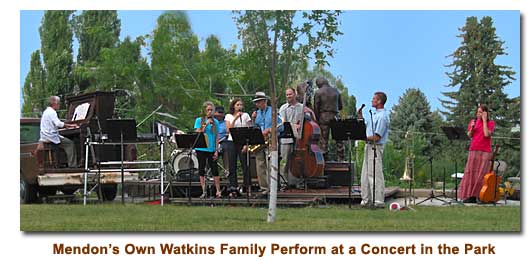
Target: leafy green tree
[175, 60]
[123, 69]
[275, 37]
[95, 30]
[56, 44]
[34, 92]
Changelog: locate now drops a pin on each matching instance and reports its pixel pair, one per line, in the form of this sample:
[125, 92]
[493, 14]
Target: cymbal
[166, 115]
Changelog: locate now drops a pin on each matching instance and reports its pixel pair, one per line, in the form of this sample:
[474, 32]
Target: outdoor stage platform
[287, 198]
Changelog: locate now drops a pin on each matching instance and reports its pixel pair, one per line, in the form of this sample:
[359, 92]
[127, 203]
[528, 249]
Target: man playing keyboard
[49, 130]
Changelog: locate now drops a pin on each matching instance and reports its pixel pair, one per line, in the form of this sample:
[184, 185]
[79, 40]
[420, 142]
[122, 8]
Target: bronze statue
[328, 103]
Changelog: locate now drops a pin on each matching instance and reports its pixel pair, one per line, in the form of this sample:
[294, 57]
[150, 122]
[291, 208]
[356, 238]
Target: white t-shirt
[49, 126]
[243, 121]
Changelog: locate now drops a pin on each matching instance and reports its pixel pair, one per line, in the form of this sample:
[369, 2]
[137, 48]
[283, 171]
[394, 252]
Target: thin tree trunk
[271, 216]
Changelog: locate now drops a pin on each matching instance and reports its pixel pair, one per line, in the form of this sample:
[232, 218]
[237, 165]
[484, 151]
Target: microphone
[362, 107]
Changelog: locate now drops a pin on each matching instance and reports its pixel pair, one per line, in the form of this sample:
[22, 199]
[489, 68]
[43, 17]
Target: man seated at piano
[49, 130]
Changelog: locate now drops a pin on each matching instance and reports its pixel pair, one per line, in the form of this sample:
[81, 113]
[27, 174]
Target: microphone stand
[190, 163]
[374, 149]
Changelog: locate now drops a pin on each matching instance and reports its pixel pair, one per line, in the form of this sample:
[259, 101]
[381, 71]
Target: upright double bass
[307, 160]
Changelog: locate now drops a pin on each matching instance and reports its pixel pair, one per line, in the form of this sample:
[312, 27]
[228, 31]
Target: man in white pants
[376, 136]
[49, 130]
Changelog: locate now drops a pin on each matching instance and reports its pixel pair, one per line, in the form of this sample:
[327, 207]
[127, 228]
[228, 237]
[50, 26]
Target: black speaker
[338, 173]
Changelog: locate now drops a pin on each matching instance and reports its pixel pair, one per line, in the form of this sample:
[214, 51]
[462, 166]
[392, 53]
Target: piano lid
[82, 108]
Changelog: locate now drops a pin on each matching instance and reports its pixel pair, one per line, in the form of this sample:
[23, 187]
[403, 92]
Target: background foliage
[180, 76]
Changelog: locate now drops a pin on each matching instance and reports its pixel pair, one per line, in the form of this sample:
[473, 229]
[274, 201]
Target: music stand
[432, 196]
[348, 129]
[190, 142]
[285, 136]
[455, 133]
[247, 136]
[123, 130]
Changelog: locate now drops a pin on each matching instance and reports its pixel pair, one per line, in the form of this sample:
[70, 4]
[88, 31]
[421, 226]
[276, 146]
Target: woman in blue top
[209, 126]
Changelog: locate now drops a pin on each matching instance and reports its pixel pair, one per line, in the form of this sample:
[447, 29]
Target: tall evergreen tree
[34, 91]
[56, 44]
[478, 79]
[475, 75]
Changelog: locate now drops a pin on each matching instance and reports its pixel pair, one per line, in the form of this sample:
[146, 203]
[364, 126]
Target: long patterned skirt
[478, 164]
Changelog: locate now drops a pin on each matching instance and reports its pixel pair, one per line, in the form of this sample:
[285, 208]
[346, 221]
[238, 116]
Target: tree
[94, 30]
[123, 68]
[268, 32]
[475, 75]
[174, 63]
[56, 44]
[35, 93]
[412, 114]
[478, 79]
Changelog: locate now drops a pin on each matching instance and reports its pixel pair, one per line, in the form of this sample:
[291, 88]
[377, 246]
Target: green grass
[136, 217]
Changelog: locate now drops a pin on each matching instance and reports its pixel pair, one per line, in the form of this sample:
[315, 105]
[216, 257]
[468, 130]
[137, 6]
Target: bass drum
[183, 166]
[181, 161]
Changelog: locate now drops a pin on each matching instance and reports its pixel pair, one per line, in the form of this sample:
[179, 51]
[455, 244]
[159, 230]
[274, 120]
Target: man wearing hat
[262, 118]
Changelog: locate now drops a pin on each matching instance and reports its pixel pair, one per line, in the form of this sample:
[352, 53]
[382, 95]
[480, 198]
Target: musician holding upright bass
[292, 112]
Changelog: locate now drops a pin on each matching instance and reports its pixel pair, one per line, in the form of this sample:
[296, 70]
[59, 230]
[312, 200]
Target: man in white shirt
[291, 111]
[49, 130]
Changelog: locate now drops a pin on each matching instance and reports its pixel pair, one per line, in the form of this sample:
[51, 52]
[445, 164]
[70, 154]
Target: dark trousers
[234, 152]
[325, 119]
[204, 158]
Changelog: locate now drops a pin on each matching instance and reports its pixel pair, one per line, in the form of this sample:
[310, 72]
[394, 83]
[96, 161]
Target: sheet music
[81, 111]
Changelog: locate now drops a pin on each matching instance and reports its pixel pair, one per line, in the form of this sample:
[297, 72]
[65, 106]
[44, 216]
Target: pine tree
[35, 93]
[476, 76]
[412, 114]
[479, 80]
[56, 44]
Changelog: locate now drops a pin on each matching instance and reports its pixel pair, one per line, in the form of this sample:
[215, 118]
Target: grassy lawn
[136, 217]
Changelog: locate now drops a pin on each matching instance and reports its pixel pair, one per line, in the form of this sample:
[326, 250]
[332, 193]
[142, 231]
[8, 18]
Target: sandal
[203, 196]
[218, 194]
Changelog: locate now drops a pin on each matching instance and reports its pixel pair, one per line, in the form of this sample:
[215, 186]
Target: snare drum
[181, 161]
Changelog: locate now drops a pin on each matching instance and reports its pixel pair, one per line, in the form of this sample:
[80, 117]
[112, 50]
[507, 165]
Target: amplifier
[338, 173]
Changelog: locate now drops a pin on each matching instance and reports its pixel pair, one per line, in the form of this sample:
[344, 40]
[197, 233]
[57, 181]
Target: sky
[388, 51]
